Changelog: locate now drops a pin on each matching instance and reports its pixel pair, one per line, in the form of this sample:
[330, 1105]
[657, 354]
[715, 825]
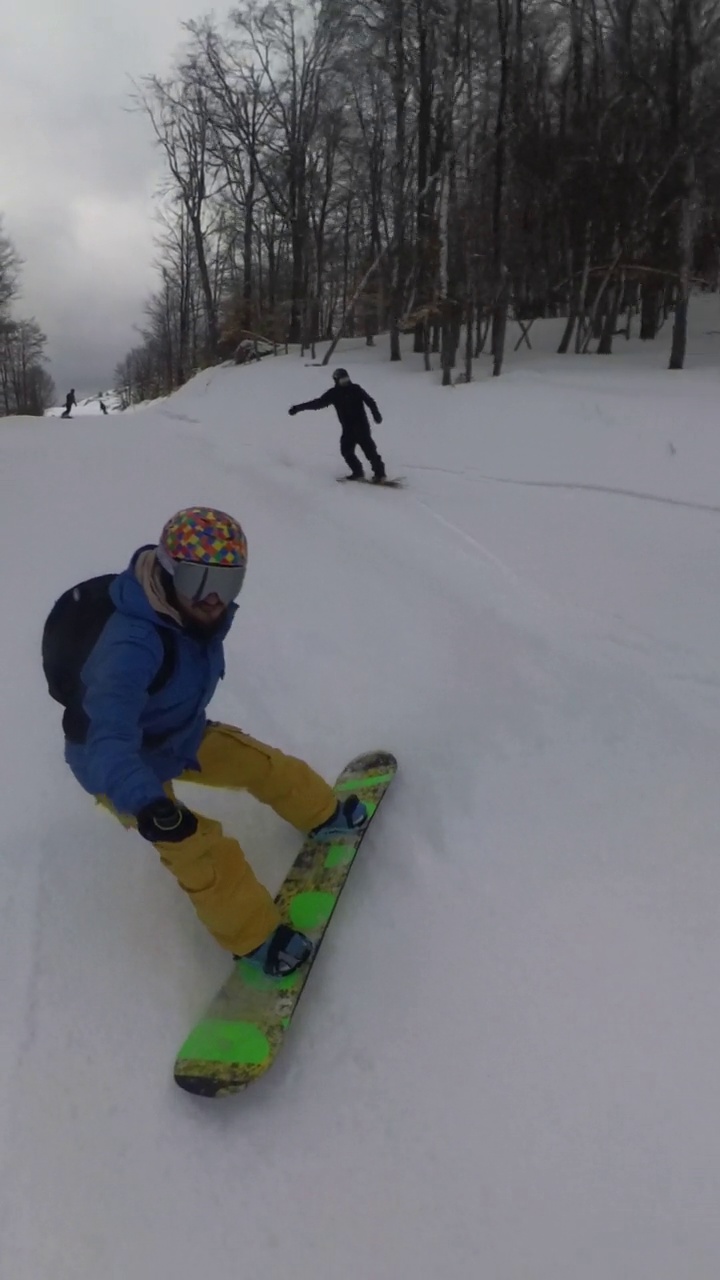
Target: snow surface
[507, 1062]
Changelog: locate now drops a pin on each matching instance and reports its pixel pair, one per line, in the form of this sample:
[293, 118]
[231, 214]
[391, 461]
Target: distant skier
[349, 400]
[135, 670]
[69, 402]
[103, 407]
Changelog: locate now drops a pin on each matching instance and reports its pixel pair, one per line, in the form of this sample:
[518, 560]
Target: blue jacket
[118, 758]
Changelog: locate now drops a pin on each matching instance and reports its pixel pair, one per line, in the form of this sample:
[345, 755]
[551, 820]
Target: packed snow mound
[505, 1062]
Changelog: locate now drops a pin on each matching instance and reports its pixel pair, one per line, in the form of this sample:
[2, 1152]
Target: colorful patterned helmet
[205, 551]
[203, 535]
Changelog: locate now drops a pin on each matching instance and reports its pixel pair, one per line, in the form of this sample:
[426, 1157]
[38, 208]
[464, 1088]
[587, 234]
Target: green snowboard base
[239, 1036]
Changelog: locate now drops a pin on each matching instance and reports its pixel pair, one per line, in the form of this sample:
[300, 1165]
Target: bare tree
[417, 165]
[25, 386]
[295, 65]
[10, 263]
[178, 112]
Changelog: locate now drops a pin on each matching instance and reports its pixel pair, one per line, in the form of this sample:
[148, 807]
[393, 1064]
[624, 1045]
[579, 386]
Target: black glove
[378, 419]
[293, 410]
[164, 820]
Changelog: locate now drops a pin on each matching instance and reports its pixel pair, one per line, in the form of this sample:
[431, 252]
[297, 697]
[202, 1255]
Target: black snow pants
[359, 437]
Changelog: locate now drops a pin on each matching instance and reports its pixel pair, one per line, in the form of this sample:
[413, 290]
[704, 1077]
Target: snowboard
[394, 482]
[239, 1036]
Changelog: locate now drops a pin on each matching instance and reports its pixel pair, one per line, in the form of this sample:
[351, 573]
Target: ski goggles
[198, 581]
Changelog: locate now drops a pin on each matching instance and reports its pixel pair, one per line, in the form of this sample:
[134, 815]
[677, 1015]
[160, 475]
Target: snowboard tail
[244, 1027]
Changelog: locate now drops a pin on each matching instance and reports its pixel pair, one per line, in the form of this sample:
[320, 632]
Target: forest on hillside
[355, 167]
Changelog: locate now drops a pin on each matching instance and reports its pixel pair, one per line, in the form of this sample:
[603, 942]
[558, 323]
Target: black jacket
[349, 403]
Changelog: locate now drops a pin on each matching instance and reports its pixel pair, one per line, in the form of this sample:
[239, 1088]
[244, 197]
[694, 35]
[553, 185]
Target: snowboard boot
[281, 954]
[356, 475]
[379, 478]
[349, 816]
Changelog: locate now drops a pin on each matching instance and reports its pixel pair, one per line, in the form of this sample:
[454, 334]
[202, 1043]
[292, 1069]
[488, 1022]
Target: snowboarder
[103, 407]
[126, 739]
[69, 402]
[349, 400]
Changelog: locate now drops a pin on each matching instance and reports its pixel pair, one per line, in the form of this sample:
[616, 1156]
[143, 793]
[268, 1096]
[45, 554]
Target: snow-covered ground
[506, 1064]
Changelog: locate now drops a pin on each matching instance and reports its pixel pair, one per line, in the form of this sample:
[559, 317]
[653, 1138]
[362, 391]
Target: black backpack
[72, 629]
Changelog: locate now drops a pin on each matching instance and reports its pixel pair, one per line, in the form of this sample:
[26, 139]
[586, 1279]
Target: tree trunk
[483, 329]
[399, 164]
[649, 311]
[679, 336]
[576, 302]
[469, 312]
[499, 320]
[608, 327]
[425, 90]
[686, 238]
[583, 296]
[207, 290]
[594, 324]
[426, 346]
[297, 300]
[499, 326]
[248, 237]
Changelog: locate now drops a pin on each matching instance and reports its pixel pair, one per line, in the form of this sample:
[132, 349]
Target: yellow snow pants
[210, 866]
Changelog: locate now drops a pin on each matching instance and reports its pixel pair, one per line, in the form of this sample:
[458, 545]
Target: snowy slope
[506, 1062]
[89, 404]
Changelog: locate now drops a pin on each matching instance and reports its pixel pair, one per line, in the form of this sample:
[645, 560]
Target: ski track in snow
[600, 488]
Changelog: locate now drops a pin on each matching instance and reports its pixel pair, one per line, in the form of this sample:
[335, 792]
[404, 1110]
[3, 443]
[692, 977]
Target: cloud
[78, 170]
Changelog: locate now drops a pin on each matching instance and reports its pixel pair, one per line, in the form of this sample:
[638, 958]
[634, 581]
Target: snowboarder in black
[69, 402]
[349, 400]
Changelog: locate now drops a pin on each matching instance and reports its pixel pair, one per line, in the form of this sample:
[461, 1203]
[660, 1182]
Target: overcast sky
[77, 171]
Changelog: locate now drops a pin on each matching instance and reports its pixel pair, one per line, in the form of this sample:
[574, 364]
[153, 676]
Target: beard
[200, 628]
[195, 623]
